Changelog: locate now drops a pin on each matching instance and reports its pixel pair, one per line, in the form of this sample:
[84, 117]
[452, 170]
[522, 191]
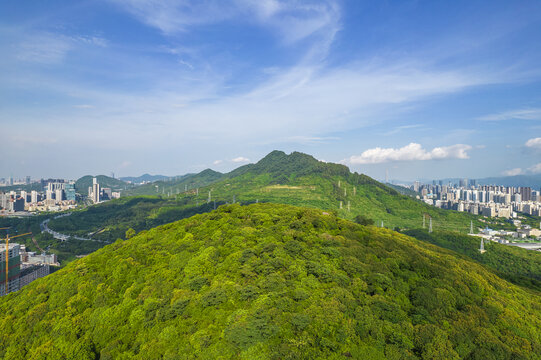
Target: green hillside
[520, 266]
[299, 179]
[82, 184]
[271, 281]
[296, 179]
[176, 185]
[110, 220]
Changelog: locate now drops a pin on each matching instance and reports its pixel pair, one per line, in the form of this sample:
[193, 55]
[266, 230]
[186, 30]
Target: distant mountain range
[533, 181]
[144, 178]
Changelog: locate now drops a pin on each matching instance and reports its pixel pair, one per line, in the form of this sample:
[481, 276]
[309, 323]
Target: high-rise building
[525, 193]
[14, 268]
[95, 191]
[59, 194]
[69, 191]
[28, 180]
[34, 197]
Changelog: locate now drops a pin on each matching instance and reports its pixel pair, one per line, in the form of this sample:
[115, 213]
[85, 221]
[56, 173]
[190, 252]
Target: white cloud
[536, 169]
[534, 143]
[513, 172]
[519, 114]
[410, 152]
[240, 159]
[217, 162]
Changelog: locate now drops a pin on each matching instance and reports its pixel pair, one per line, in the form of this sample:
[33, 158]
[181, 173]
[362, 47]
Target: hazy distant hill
[533, 181]
[82, 184]
[144, 178]
[271, 281]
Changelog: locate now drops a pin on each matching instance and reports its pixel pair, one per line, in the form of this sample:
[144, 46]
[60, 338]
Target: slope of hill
[520, 266]
[176, 185]
[33, 186]
[144, 178]
[83, 183]
[110, 220]
[271, 281]
[300, 179]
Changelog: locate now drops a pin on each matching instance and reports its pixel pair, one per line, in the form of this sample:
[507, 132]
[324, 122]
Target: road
[44, 226]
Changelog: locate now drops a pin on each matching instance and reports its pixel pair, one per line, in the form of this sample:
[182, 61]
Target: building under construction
[14, 268]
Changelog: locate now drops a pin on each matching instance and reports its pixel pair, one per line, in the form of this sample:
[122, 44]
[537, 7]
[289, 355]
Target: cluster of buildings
[485, 200]
[57, 195]
[97, 194]
[22, 267]
[10, 181]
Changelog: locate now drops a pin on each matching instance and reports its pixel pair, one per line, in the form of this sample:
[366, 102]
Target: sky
[418, 89]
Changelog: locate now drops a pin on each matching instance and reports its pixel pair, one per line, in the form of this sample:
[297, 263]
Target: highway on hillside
[44, 226]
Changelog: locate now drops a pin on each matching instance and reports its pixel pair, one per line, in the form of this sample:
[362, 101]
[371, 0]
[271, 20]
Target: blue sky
[423, 89]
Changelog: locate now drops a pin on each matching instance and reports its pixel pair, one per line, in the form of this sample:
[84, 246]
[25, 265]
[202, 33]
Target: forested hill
[83, 183]
[271, 281]
[176, 185]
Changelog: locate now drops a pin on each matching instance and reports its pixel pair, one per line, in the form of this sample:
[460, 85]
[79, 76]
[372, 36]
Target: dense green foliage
[109, 221]
[520, 266]
[82, 184]
[271, 282]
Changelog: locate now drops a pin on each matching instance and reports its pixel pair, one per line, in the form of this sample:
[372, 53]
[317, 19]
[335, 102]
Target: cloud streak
[410, 152]
[292, 20]
[519, 114]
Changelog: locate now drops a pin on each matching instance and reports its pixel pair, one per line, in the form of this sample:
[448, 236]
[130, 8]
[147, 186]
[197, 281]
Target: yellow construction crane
[7, 258]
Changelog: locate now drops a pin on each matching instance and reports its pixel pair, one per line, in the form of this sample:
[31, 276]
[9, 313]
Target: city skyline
[423, 90]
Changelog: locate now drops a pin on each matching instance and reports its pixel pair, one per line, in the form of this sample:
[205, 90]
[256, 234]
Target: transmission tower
[430, 225]
[482, 247]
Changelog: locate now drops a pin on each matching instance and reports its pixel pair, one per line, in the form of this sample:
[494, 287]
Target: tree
[130, 233]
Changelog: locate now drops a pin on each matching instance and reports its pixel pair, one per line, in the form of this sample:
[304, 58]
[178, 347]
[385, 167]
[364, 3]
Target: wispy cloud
[398, 129]
[519, 114]
[43, 48]
[410, 152]
[293, 20]
[217, 162]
